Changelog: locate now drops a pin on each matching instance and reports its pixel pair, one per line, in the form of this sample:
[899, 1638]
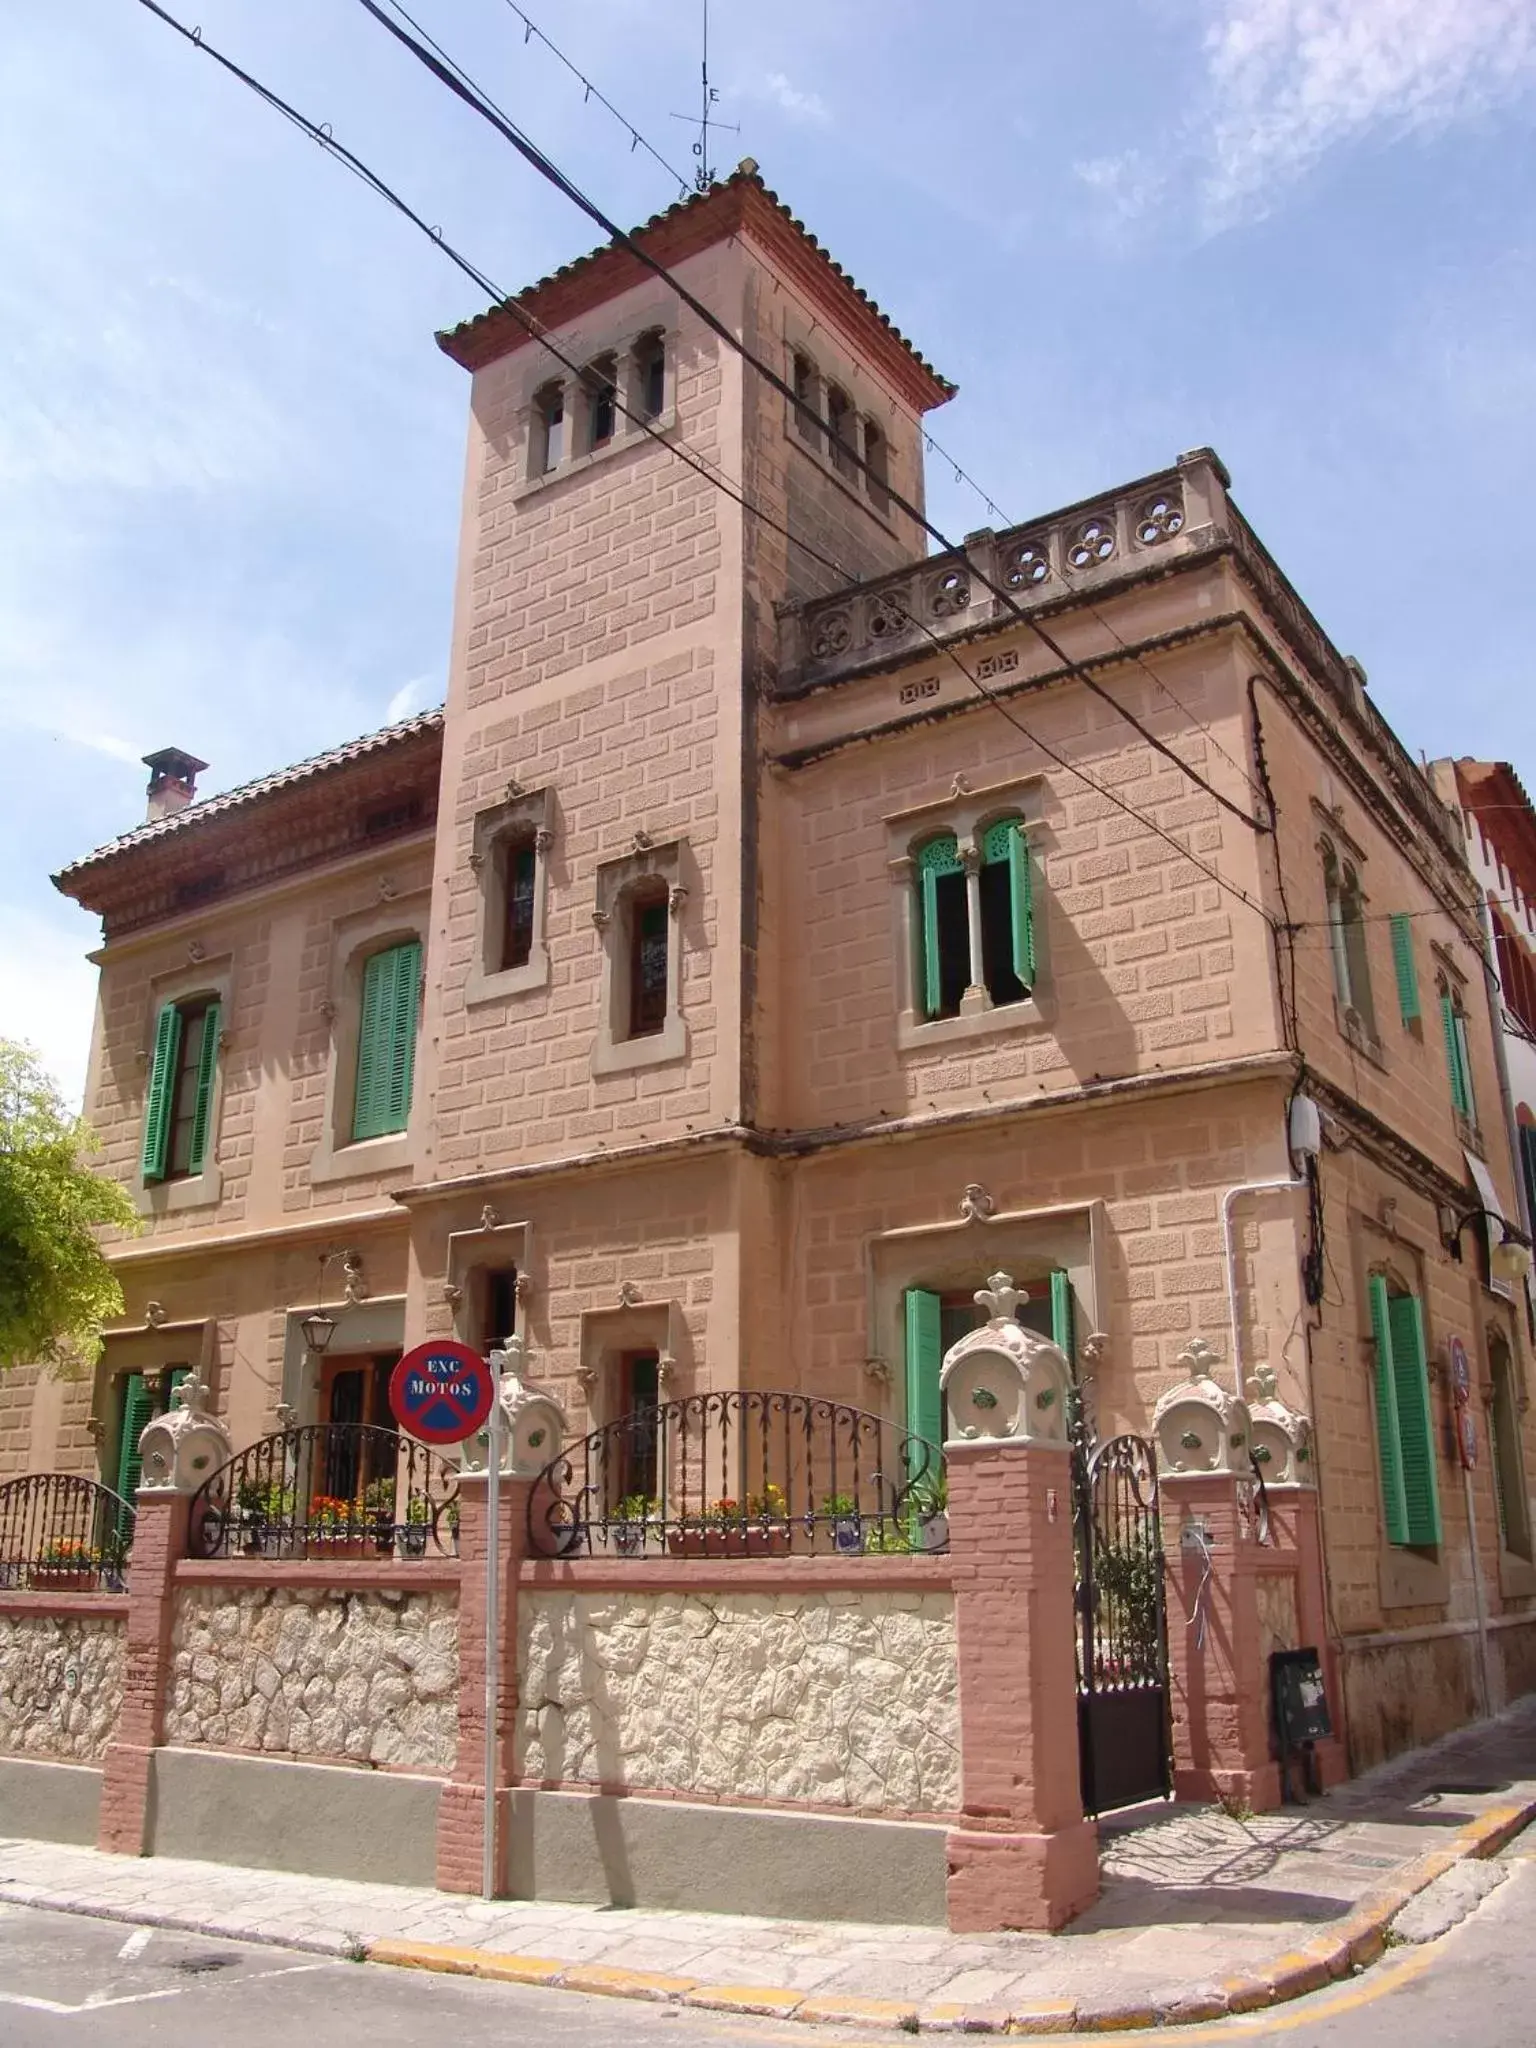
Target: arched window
[648, 359]
[602, 392]
[546, 450]
[1347, 940]
[877, 471]
[842, 425]
[975, 920]
[806, 422]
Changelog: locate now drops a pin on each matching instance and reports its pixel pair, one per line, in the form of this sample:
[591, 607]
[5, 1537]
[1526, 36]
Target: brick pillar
[1221, 1744]
[1295, 1515]
[460, 1811]
[159, 1539]
[1023, 1855]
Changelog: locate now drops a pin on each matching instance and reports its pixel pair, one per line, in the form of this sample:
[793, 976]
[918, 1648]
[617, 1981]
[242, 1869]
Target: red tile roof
[204, 812]
[740, 201]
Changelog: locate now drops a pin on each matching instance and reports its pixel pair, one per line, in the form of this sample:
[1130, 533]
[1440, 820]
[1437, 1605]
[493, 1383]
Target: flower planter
[276, 1542]
[62, 1578]
[627, 1539]
[687, 1542]
[413, 1540]
[745, 1543]
[334, 1549]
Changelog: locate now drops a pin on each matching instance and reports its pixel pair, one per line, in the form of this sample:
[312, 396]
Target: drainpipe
[1247, 1187]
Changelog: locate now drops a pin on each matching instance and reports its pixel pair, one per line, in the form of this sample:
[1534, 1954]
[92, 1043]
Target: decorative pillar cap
[533, 1423]
[179, 1450]
[1199, 1425]
[1003, 1383]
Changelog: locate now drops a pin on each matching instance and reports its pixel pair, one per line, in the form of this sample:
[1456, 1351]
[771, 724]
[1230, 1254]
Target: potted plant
[270, 1512]
[630, 1518]
[416, 1528]
[842, 1511]
[379, 1509]
[66, 1565]
[929, 1505]
[335, 1530]
[768, 1523]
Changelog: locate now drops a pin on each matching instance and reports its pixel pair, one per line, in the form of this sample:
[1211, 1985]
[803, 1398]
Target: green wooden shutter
[1407, 973]
[1393, 1500]
[1061, 1312]
[925, 1355]
[138, 1413]
[1022, 893]
[402, 1050]
[207, 1066]
[162, 1092]
[1415, 1420]
[1464, 1057]
[1453, 1045]
[940, 856]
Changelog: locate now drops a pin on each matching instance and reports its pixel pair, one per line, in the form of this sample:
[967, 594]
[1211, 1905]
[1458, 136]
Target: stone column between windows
[975, 997]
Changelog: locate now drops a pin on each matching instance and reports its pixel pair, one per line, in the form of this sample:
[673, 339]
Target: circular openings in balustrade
[949, 594]
[1091, 544]
[1159, 519]
[1027, 565]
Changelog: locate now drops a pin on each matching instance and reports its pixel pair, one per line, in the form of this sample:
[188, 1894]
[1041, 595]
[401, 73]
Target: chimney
[172, 782]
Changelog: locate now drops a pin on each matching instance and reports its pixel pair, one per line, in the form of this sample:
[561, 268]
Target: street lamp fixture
[318, 1330]
[1509, 1255]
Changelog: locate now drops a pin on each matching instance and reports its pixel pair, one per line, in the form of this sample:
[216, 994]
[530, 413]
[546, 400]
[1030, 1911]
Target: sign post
[443, 1393]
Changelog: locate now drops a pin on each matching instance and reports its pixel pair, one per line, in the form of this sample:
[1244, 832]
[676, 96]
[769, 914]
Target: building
[782, 930]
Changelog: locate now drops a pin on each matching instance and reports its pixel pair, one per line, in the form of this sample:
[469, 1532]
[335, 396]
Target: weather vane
[704, 174]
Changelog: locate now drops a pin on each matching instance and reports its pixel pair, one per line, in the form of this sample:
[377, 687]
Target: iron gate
[1122, 1638]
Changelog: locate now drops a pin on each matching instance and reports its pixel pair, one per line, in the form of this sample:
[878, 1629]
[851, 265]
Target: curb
[1351, 1944]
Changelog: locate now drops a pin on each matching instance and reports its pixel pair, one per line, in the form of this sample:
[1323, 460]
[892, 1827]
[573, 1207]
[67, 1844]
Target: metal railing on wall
[742, 1474]
[61, 1533]
[328, 1492]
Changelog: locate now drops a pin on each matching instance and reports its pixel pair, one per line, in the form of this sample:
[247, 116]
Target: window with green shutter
[1404, 1419]
[1405, 967]
[1458, 1062]
[1004, 929]
[925, 1356]
[178, 1115]
[1007, 913]
[1061, 1312]
[944, 933]
[386, 1041]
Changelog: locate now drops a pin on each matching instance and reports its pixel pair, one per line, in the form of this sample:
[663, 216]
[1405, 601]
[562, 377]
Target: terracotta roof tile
[456, 341]
[251, 792]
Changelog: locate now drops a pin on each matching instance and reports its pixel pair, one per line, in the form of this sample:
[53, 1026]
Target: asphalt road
[71, 1982]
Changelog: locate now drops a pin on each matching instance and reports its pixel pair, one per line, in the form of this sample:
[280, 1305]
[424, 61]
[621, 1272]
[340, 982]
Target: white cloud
[414, 695]
[1290, 79]
[790, 99]
[1286, 81]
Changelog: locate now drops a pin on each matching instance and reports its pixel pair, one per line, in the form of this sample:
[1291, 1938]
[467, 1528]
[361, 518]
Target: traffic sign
[442, 1391]
[1461, 1371]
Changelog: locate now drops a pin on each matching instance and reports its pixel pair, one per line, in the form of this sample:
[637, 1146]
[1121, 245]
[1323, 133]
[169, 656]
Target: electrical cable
[594, 92]
[433, 58]
[322, 134]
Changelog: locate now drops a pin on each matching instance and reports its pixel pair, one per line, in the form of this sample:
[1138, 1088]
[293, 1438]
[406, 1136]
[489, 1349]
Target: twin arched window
[1347, 940]
[975, 920]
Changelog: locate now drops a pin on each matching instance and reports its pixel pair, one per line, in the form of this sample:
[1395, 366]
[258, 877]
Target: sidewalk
[1200, 1913]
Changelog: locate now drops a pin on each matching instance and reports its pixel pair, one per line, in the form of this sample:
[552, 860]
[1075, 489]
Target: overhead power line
[451, 74]
[323, 134]
[593, 92]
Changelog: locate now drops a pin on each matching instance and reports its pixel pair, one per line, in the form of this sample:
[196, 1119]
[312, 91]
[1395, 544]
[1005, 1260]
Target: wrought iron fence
[1119, 1566]
[61, 1533]
[742, 1474]
[329, 1491]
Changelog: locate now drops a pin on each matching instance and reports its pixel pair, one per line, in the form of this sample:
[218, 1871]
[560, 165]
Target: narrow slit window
[648, 946]
[806, 422]
[519, 876]
[602, 402]
[877, 470]
[548, 429]
[841, 425]
[650, 358]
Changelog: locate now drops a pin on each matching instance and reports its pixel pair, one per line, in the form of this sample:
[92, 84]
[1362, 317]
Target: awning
[1488, 1196]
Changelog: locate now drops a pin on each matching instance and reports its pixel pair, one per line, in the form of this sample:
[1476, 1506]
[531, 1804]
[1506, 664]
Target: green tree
[56, 1289]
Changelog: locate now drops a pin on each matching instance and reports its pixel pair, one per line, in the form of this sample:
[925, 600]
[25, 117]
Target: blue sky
[230, 455]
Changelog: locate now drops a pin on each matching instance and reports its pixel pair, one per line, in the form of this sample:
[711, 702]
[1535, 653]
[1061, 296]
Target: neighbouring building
[782, 930]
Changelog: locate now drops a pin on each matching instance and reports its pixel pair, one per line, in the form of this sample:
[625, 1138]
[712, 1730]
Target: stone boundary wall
[61, 1678]
[836, 1698]
[366, 1676]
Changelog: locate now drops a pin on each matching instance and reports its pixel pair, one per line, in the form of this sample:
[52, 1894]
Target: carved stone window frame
[213, 978]
[526, 817]
[606, 1334]
[491, 1247]
[969, 814]
[354, 940]
[1071, 1237]
[617, 881]
[1341, 864]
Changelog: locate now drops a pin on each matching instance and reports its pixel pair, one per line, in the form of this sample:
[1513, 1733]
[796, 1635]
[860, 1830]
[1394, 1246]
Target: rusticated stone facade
[371, 1677]
[61, 1683]
[839, 1698]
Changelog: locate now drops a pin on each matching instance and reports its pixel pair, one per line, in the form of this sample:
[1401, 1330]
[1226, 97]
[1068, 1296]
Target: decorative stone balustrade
[1042, 562]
